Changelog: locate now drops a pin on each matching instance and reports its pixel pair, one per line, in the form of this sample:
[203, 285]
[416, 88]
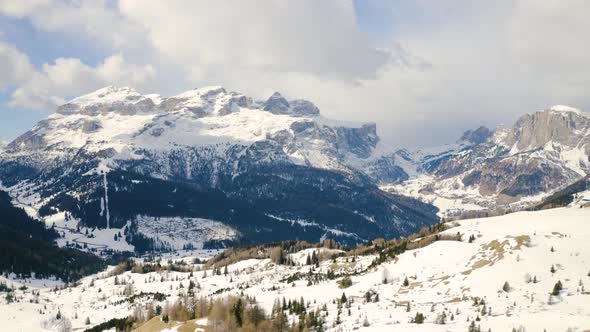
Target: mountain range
[228, 169]
[503, 169]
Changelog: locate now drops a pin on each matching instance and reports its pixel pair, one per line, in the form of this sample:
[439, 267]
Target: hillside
[28, 248]
[498, 276]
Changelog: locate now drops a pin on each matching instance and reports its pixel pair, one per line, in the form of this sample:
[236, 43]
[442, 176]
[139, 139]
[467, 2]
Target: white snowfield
[445, 277]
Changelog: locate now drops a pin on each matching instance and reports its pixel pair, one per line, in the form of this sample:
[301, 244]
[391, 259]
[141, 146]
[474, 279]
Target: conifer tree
[406, 282]
[238, 311]
[557, 288]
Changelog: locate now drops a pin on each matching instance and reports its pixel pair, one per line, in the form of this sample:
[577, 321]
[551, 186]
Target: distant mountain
[540, 153]
[204, 168]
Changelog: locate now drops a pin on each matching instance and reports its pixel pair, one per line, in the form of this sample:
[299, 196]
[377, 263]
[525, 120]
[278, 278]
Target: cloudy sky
[423, 70]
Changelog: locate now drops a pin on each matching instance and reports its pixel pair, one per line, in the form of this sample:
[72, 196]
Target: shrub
[419, 319]
[345, 282]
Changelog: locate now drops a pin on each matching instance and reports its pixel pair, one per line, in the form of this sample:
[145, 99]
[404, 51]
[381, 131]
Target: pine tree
[506, 287]
[473, 328]
[557, 288]
[552, 269]
[225, 270]
[406, 282]
[238, 311]
[366, 322]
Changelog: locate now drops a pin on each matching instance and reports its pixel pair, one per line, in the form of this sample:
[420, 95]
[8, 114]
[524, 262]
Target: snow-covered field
[445, 277]
[179, 233]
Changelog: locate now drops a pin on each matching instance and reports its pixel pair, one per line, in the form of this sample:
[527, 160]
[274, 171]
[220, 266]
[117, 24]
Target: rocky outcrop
[541, 153]
[476, 136]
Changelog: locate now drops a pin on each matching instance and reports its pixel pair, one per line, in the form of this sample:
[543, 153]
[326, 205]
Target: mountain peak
[107, 94]
[563, 109]
[205, 91]
[476, 136]
[277, 104]
[110, 98]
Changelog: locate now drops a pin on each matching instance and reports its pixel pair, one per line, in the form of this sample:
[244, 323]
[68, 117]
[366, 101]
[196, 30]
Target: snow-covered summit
[566, 109]
[109, 99]
[277, 104]
[122, 119]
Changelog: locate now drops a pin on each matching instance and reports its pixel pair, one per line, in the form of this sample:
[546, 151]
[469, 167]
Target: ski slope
[444, 277]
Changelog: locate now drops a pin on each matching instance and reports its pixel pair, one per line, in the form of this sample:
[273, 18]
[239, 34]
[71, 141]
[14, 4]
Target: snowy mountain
[500, 169]
[264, 170]
[526, 271]
[118, 159]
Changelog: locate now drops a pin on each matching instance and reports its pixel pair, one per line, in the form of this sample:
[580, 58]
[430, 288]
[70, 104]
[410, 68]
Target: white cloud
[69, 77]
[14, 66]
[92, 20]
[212, 39]
[462, 63]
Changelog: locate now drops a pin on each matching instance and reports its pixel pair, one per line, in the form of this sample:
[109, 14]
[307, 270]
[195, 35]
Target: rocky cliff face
[539, 154]
[559, 125]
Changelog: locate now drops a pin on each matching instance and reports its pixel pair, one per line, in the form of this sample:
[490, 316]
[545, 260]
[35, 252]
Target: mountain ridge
[513, 167]
[275, 158]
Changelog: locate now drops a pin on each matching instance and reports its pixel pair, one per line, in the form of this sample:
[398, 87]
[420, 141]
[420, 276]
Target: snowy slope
[445, 276]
